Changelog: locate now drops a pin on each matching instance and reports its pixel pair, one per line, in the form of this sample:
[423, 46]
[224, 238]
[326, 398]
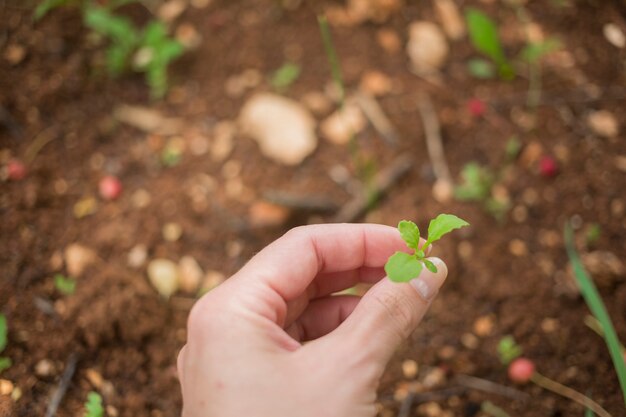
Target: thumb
[389, 312]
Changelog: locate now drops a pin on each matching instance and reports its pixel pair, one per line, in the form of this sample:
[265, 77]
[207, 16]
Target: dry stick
[380, 185]
[595, 325]
[433, 138]
[377, 117]
[39, 142]
[491, 387]
[567, 392]
[64, 383]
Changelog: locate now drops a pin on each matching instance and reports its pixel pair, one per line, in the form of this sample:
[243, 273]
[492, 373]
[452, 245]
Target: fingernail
[428, 283]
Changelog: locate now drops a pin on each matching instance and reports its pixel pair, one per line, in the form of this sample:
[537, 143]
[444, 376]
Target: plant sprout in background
[5, 362]
[64, 285]
[93, 405]
[484, 36]
[284, 76]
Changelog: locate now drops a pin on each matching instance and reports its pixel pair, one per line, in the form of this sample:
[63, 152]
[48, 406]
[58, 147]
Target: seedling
[593, 233]
[508, 350]
[484, 36]
[65, 285]
[285, 76]
[93, 405]
[5, 362]
[476, 185]
[402, 266]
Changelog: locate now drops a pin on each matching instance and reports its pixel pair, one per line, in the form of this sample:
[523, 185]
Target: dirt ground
[507, 277]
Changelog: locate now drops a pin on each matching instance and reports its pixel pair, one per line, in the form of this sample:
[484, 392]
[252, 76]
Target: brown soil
[118, 325]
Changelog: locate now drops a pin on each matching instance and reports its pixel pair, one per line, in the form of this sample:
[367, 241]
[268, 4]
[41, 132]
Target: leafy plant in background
[402, 266]
[508, 350]
[149, 50]
[484, 37]
[5, 362]
[284, 76]
[476, 185]
[93, 405]
[64, 285]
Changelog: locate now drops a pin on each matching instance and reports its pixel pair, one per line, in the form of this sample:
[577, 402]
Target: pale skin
[245, 354]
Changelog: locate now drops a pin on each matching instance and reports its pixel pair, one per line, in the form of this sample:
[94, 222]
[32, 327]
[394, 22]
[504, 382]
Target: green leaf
[93, 405]
[481, 68]
[476, 185]
[443, 224]
[534, 51]
[597, 307]
[4, 331]
[45, 6]
[484, 35]
[402, 267]
[5, 363]
[430, 266]
[64, 285]
[285, 76]
[508, 350]
[329, 47]
[410, 233]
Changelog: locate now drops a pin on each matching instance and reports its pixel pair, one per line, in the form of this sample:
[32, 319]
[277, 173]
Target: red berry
[476, 107]
[548, 167]
[16, 170]
[110, 187]
[521, 370]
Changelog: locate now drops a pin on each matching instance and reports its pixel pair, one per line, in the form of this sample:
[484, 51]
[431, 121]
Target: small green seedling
[508, 350]
[5, 362]
[285, 76]
[484, 36]
[402, 266]
[65, 285]
[477, 182]
[93, 405]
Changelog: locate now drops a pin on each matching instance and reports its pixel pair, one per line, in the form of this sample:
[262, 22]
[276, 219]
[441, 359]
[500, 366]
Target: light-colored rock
[451, 19]
[264, 214]
[603, 123]
[517, 247]
[343, 124]
[605, 267]
[317, 102]
[484, 325]
[6, 387]
[283, 128]
[427, 48]
[223, 144]
[389, 40]
[189, 274]
[188, 36]
[375, 83]
[163, 275]
[614, 35]
[44, 368]
[77, 258]
[94, 377]
[137, 256]
[172, 231]
[171, 9]
[211, 280]
[14, 54]
[409, 368]
[443, 190]
[146, 119]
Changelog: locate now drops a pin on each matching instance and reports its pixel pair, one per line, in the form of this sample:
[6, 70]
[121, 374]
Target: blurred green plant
[149, 50]
[508, 350]
[484, 37]
[491, 409]
[598, 309]
[93, 405]
[65, 285]
[284, 76]
[592, 234]
[5, 362]
[477, 183]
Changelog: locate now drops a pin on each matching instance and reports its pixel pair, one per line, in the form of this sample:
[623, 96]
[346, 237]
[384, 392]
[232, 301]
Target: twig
[407, 405]
[491, 387]
[567, 392]
[380, 185]
[595, 325]
[41, 140]
[490, 408]
[432, 132]
[64, 383]
[377, 117]
[317, 203]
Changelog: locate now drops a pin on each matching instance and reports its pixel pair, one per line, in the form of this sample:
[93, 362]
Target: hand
[245, 354]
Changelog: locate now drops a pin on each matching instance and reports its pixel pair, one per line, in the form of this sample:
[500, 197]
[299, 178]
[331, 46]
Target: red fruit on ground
[16, 170]
[110, 187]
[548, 167]
[476, 107]
[521, 370]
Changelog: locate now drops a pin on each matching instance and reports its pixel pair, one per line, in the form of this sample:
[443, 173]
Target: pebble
[188, 36]
[222, 144]
[519, 214]
[265, 214]
[430, 409]
[549, 238]
[317, 102]
[531, 154]
[409, 369]
[443, 191]
[620, 163]
[6, 387]
[451, 19]
[77, 258]
[434, 377]
[343, 124]
[603, 123]
[283, 128]
[375, 83]
[94, 377]
[614, 35]
[44, 368]
[469, 341]
[231, 169]
[171, 9]
[530, 196]
[199, 145]
[517, 247]
[446, 352]
[484, 325]
[172, 231]
[617, 208]
[141, 198]
[190, 274]
[427, 48]
[14, 54]
[389, 40]
[211, 280]
[163, 275]
[137, 256]
[549, 325]
[234, 248]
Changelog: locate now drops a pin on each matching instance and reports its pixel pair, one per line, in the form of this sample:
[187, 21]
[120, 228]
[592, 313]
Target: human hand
[245, 354]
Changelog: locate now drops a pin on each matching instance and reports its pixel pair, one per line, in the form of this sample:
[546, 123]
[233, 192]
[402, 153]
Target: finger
[322, 316]
[389, 312]
[180, 362]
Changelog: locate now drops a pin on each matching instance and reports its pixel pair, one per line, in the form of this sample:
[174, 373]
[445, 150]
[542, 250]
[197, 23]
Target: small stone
[530, 154]
[189, 274]
[223, 144]
[141, 198]
[77, 258]
[549, 325]
[465, 250]
[6, 387]
[251, 77]
[211, 280]
[446, 352]
[111, 410]
[530, 196]
[172, 231]
[16, 394]
[375, 83]
[44, 368]
[430, 409]
[171, 9]
[605, 267]
[483, 326]
[264, 214]
[317, 102]
[614, 35]
[434, 377]
[469, 341]
[343, 125]
[517, 247]
[137, 256]
[231, 169]
[409, 369]
[84, 207]
[56, 261]
[620, 163]
[14, 54]
[427, 48]
[443, 191]
[549, 238]
[188, 36]
[199, 145]
[389, 40]
[519, 214]
[283, 128]
[94, 377]
[234, 248]
[617, 208]
[163, 275]
[603, 123]
[450, 17]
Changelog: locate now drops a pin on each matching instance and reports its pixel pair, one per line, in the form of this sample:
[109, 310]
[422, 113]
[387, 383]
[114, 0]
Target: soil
[506, 277]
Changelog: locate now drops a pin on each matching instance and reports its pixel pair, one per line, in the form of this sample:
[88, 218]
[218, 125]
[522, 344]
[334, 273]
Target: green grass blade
[332, 57]
[597, 307]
